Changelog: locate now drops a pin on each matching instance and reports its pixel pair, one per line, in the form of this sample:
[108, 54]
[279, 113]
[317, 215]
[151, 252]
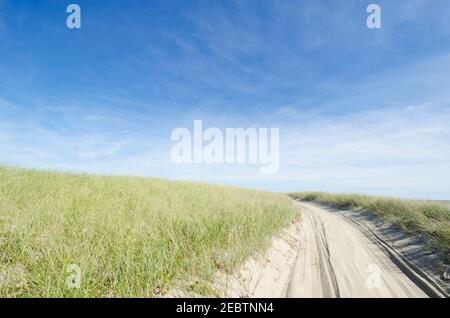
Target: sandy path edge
[264, 275]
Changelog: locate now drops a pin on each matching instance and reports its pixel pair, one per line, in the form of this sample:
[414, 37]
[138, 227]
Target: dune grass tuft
[431, 219]
[130, 237]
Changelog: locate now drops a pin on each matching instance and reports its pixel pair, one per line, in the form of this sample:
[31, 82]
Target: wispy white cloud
[358, 110]
[395, 139]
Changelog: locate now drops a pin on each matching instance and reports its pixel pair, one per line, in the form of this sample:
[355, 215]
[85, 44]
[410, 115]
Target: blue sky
[359, 110]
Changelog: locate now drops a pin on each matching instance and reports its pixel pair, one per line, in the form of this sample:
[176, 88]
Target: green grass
[431, 219]
[131, 237]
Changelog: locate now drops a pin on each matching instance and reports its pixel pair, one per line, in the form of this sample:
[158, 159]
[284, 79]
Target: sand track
[337, 260]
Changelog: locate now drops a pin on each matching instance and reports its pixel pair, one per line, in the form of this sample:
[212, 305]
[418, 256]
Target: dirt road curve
[337, 260]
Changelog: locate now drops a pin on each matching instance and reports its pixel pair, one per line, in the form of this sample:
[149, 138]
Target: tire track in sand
[338, 260]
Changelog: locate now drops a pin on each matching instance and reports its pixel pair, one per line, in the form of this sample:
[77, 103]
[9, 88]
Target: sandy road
[337, 260]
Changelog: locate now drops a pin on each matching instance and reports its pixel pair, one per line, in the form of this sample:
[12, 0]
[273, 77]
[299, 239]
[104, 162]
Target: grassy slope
[129, 236]
[418, 217]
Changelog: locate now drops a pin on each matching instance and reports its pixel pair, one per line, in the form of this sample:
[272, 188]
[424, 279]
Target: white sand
[338, 260]
[265, 276]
